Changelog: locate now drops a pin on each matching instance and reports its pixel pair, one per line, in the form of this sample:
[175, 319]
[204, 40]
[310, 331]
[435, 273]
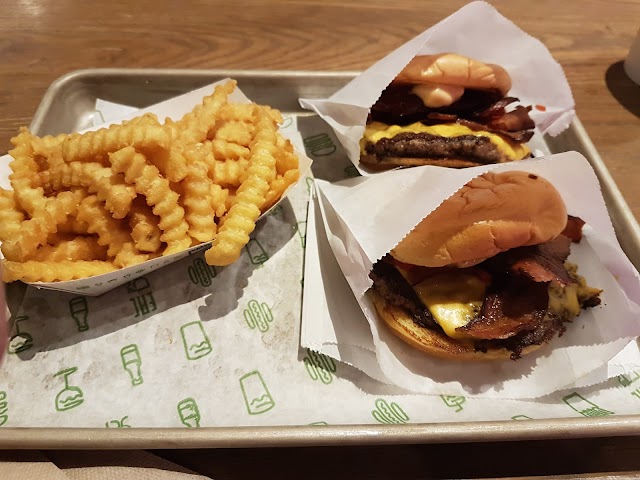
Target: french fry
[194, 126]
[199, 212]
[33, 232]
[100, 180]
[11, 216]
[60, 271]
[87, 203]
[111, 233]
[144, 227]
[160, 197]
[78, 248]
[233, 235]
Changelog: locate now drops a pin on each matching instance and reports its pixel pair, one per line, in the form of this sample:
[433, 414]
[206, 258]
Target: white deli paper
[174, 108]
[363, 223]
[478, 31]
[184, 346]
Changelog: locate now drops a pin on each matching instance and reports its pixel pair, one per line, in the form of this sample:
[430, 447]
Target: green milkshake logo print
[22, 340]
[257, 254]
[625, 380]
[319, 145]
[79, 310]
[195, 340]
[351, 171]
[200, 273]
[319, 366]
[453, 401]
[258, 315]
[132, 363]
[70, 396]
[389, 413]
[189, 413]
[138, 284]
[4, 408]
[521, 417]
[256, 395]
[584, 407]
[118, 423]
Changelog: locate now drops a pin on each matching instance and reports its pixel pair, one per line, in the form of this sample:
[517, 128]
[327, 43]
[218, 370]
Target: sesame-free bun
[431, 341]
[454, 69]
[491, 214]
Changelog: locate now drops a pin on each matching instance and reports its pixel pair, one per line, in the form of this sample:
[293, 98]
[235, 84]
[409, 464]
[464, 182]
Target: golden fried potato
[85, 204]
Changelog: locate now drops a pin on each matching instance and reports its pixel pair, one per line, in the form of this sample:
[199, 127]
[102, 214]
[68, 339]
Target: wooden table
[43, 39]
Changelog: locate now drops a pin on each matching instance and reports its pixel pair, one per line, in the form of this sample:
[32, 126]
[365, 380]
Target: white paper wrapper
[174, 109]
[478, 31]
[363, 224]
[161, 382]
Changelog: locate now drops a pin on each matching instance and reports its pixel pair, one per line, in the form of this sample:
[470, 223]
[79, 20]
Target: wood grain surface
[41, 40]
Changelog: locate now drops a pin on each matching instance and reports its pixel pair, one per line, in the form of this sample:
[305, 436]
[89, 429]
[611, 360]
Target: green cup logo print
[200, 273]
[195, 340]
[79, 309]
[319, 366]
[453, 401]
[257, 254]
[389, 413]
[132, 363]
[258, 315]
[256, 395]
[138, 285]
[319, 145]
[521, 417]
[22, 340]
[584, 407]
[70, 396]
[626, 380]
[122, 423]
[189, 413]
[4, 408]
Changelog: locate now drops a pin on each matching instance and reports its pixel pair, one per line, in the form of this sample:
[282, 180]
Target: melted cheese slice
[377, 130]
[453, 298]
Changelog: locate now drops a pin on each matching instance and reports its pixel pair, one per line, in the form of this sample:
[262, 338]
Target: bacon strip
[573, 230]
[515, 307]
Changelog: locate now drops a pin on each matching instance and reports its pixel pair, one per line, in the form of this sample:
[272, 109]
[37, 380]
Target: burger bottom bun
[385, 163]
[433, 342]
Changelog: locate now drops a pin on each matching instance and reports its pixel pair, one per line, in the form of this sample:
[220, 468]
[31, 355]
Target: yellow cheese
[453, 298]
[566, 300]
[377, 130]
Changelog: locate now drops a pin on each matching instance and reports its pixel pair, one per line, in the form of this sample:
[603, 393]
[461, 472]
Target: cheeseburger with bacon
[485, 276]
[447, 110]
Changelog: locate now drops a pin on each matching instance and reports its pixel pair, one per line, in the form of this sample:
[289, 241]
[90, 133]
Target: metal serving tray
[69, 104]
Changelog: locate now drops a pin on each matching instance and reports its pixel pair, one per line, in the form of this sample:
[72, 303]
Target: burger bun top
[492, 213]
[455, 69]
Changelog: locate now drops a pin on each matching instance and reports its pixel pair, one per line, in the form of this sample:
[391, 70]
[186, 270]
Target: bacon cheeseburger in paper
[474, 88]
[367, 221]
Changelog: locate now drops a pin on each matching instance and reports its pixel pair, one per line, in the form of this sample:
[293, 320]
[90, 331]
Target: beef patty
[477, 149]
